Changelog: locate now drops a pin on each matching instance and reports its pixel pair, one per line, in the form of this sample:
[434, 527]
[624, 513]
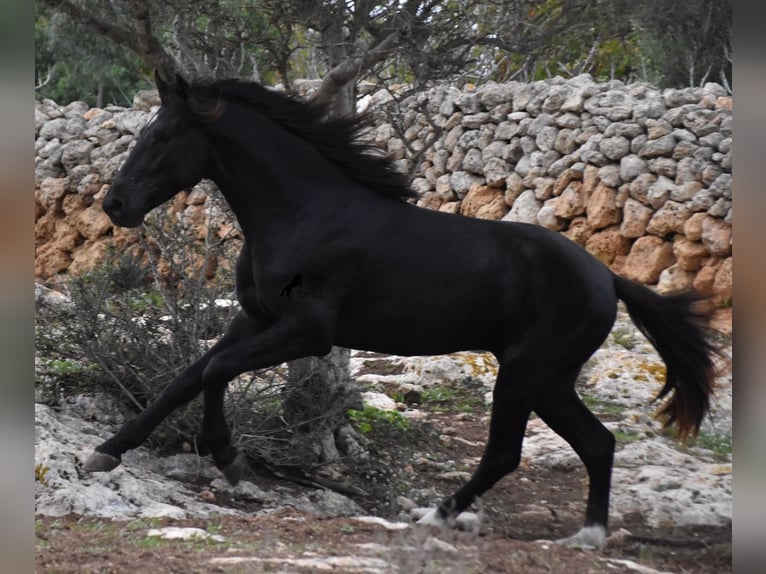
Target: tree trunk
[100, 93]
[320, 393]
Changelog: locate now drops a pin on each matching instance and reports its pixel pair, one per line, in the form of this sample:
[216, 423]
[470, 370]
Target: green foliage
[96, 71]
[719, 443]
[443, 398]
[686, 43]
[374, 418]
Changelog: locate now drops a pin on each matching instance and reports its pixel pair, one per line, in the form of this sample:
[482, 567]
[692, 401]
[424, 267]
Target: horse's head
[171, 154]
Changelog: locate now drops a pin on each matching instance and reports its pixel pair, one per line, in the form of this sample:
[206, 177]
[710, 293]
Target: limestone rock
[635, 217]
[689, 254]
[716, 236]
[572, 201]
[602, 210]
[606, 245]
[579, 231]
[480, 196]
[670, 218]
[648, 256]
[674, 279]
[524, 209]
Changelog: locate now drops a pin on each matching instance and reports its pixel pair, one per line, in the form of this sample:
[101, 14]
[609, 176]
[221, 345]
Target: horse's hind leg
[563, 411]
[511, 405]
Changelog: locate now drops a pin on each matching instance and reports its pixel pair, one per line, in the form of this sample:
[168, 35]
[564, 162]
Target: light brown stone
[480, 196]
[724, 103]
[606, 245]
[648, 256]
[670, 218]
[86, 256]
[689, 254]
[572, 201]
[705, 278]
[635, 217]
[693, 227]
[428, 200]
[590, 178]
[52, 189]
[716, 236]
[451, 207]
[73, 204]
[49, 260]
[92, 222]
[566, 177]
[602, 207]
[495, 210]
[722, 284]
[92, 113]
[39, 207]
[674, 279]
[579, 231]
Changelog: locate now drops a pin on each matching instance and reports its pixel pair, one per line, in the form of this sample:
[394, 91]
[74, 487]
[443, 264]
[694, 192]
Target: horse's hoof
[101, 462]
[235, 471]
[433, 518]
[588, 538]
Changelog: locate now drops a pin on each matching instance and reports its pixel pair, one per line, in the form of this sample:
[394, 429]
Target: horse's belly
[417, 334]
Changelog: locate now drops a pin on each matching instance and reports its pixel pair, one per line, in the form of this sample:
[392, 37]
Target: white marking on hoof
[588, 538]
[433, 518]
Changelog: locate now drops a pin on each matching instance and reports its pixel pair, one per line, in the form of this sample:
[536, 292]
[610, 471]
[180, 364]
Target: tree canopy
[101, 52]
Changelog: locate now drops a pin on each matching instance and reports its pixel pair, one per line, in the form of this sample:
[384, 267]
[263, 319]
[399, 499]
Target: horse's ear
[163, 88]
[182, 88]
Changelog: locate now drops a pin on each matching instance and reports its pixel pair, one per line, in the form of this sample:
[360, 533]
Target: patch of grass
[626, 437]
[625, 338]
[450, 399]
[600, 407]
[720, 444]
[373, 418]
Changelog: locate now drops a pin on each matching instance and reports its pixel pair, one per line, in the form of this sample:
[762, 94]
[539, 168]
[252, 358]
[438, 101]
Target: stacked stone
[78, 151]
[638, 176]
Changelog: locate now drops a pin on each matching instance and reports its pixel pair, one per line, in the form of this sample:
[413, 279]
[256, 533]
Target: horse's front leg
[182, 389]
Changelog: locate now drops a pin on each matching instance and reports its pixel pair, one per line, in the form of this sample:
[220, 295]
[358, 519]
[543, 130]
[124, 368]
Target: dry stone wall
[638, 176]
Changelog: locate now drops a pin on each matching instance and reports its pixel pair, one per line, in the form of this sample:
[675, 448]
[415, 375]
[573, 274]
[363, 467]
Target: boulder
[648, 256]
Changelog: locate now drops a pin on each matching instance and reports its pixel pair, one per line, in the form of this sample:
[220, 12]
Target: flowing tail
[675, 328]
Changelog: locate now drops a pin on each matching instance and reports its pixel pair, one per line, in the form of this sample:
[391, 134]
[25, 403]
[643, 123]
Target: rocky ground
[671, 504]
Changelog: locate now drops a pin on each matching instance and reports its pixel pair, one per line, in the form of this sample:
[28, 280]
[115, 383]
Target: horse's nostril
[113, 205]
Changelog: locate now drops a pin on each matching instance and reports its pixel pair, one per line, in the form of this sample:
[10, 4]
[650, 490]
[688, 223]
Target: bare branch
[47, 79]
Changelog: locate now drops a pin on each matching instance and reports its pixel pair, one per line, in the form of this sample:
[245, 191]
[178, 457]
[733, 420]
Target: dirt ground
[525, 507]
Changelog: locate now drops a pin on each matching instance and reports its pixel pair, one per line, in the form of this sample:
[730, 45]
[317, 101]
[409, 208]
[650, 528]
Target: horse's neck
[265, 204]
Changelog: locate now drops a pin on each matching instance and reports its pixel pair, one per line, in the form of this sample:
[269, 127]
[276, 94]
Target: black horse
[312, 200]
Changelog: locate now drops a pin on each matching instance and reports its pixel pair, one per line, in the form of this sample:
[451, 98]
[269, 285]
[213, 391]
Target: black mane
[338, 139]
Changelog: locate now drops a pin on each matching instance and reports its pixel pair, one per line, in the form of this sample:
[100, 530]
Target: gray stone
[472, 162]
[547, 138]
[661, 146]
[537, 124]
[660, 192]
[493, 94]
[496, 171]
[631, 166]
[75, 153]
[663, 166]
[475, 121]
[506, 130]
[461, 182]
[610, 175]
[614, 148]
[524, 209]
